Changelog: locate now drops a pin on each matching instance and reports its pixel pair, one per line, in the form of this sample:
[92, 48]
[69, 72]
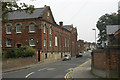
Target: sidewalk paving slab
[82, 71]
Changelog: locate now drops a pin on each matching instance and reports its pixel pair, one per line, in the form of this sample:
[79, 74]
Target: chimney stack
[61, 23]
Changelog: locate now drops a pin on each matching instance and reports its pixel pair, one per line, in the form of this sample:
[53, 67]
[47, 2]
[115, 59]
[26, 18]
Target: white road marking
[69, 69]
[29, 74]
[50, 68]
[42, 69]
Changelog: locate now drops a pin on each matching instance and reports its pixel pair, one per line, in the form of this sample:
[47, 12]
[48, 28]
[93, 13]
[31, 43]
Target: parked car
[67, 57]
[79, 55]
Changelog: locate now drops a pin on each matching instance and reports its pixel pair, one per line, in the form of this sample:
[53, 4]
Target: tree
[107, 19]
[11, 6]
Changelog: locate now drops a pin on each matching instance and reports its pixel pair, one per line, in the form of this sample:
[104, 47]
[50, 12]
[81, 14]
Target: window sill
[8, 33]
[32, 32]
[8, 46]
[32, 45]
[18, 32]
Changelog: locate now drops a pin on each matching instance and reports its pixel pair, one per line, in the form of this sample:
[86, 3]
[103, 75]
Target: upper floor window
[9, 42]
[32, 42]
[44, 28]
[56, 41]
[32, 27]
[65, 42]
[50, 31]
[8, 29]
[68, 42]
[18, 28]
[48, 14]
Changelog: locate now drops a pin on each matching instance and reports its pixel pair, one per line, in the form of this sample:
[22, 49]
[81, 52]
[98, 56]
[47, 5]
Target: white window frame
[48, 14]
[44, 28]
[50, 43]
[68, 42]
[7, 44]
[44, 42]
[17, 28]
[56, 41]
[30, 27]
[33, 42]
[50, 31]
[7, 29]
[65, 42]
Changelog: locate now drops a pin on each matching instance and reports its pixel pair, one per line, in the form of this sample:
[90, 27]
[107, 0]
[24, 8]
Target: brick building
[38, 30]
[73, 37]
[80, 46]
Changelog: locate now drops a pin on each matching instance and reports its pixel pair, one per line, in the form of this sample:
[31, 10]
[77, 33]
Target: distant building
[73, 37]
[80, 46]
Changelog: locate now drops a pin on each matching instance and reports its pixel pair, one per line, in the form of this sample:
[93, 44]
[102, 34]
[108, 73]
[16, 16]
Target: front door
[18, 45]
[38, 55]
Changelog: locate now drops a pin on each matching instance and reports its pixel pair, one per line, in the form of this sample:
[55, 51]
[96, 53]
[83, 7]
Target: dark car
[79, 55]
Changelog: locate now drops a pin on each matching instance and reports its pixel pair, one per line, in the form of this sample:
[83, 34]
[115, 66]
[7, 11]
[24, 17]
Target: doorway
[18, 45]
[38, 55]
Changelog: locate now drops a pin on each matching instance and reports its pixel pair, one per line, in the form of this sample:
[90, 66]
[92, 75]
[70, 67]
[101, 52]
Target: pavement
[28, 66]
[82, 71]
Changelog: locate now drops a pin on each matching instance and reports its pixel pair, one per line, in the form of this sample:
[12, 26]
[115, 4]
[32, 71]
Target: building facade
[80, 46]
[38, 30]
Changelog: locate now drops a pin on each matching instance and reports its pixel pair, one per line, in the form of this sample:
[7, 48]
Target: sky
[83, 14]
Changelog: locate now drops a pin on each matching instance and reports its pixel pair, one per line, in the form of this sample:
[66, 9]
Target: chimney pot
[61, 23]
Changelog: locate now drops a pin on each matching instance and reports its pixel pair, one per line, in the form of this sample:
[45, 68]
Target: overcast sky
[83, 14]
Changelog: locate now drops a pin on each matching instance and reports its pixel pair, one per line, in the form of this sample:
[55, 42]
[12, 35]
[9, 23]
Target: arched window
[18, 28]
[32, 27]
[8, 29]
[9, 42]
[31, 42]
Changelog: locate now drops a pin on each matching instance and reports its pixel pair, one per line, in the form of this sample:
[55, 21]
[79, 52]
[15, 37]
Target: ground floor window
[32, 42]
[9, 42]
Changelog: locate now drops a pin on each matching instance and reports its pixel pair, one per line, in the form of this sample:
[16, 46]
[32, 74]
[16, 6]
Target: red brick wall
[107, 58]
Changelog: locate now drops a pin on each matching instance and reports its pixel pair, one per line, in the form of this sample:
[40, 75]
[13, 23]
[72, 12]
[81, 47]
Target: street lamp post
[95, 35]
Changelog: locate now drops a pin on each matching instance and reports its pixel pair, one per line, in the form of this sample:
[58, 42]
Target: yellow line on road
[66, 76]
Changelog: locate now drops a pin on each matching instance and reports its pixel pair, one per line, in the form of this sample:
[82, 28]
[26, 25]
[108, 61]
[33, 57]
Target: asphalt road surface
[53, 70]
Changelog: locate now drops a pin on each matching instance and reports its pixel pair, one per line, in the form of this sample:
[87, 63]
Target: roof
[111, 29]
[68, 27]
[38, 12]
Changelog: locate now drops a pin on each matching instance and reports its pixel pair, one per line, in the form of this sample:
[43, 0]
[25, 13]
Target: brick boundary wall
[106, 62]
[20, 62]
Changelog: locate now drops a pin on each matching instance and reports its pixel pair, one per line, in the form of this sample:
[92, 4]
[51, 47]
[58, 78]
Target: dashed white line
[29, 74]
[51, 69]
[42, 69]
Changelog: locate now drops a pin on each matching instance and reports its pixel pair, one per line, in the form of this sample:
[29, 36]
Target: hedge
[24, 51]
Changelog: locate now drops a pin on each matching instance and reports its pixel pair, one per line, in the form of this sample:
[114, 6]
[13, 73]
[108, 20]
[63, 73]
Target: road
[53, 70]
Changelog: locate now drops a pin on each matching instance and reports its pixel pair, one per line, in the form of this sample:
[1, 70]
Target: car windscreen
[65, 55]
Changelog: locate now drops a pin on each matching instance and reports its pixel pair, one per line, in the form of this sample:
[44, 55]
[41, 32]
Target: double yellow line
[67, 76]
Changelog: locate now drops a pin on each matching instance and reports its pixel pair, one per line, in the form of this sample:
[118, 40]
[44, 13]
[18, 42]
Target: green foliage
[104, 20]
[24, 51]
[11, 6]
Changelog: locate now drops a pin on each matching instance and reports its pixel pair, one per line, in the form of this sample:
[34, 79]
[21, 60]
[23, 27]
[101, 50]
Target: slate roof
[111, 29]
[68, 27]
[38, 12]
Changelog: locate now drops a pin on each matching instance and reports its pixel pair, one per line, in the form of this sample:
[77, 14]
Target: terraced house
[39, 30]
